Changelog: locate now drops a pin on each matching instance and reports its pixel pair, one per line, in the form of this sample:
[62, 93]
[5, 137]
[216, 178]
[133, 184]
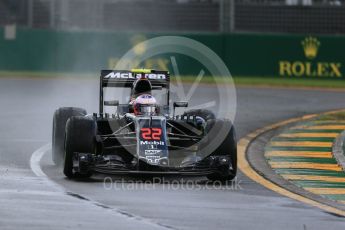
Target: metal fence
[303, 16]
[271, 16]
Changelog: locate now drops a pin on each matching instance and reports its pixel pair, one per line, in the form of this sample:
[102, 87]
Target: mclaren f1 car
[142, 135]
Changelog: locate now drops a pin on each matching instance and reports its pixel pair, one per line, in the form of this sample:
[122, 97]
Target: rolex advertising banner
[292, 56]
[286, 56]
[318, 61]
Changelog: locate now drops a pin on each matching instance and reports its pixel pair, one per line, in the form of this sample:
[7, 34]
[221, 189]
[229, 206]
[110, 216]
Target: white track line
[36, 158]
[37, 170]
[36, 167]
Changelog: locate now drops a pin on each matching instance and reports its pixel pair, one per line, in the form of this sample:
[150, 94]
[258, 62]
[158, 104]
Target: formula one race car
[141, 136]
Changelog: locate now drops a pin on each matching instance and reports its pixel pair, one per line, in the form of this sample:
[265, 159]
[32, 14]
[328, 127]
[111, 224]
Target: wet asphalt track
[31, 202]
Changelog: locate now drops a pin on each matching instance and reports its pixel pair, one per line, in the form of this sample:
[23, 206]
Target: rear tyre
[80, 137]
[228, 147]
[60, 118]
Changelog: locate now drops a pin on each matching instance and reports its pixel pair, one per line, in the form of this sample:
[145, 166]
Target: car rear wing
[126, 78]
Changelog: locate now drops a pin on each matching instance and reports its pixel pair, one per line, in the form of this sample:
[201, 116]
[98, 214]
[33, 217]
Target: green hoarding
[245, 54]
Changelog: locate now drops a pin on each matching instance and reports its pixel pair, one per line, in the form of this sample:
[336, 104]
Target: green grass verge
[290, 82]
[274, 82]
[238, 80]
[29, 74]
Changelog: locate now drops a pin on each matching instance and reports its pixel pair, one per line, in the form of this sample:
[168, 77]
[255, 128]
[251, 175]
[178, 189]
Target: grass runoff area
[291, 82]
[288, 82]
[263, 81]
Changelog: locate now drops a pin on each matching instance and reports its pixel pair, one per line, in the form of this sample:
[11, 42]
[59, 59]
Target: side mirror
[111, 103]
[157, 87]
[179, 104]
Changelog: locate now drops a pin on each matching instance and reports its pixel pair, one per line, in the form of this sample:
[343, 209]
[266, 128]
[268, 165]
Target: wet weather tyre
[60, 118]
[227, 147]
[80, 137]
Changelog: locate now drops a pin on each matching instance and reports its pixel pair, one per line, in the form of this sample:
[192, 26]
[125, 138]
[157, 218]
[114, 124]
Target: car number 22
[151, 133]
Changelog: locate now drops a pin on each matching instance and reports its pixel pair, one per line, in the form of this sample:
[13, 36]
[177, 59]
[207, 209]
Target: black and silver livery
[123, 142]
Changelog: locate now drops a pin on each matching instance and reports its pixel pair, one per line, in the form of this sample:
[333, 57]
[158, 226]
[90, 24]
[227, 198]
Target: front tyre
[60, 118]
[80, 138]
[227, 148]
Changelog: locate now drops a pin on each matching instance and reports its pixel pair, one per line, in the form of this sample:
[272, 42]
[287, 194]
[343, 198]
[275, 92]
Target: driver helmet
[141, 86]
[145, 104]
